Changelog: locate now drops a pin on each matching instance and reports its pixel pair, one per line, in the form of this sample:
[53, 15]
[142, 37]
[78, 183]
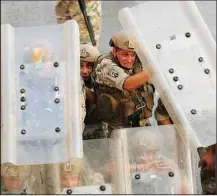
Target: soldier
[70, 173]
[78, 173]
[124, 94]
[151, 171]
[93, 126]
[67, 10]
[207, 155]
[16, 179]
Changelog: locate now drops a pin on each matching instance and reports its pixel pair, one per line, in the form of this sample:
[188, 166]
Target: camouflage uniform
[82, 103]
[161, 113]
[145, 142]
[116, 105]
[80, 167]
[21, 175]
[93, 126]
[67, 10]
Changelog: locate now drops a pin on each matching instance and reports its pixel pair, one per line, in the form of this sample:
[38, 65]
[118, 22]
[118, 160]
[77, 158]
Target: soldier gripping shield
[67, 10]
[125, 96]
[207, 155]
[152, 168]
[93, 126]
[157, 173]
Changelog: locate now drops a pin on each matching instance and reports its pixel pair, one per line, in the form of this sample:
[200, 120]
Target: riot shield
[147, 160]
[156, 160]
[40, 90]
[176, 45]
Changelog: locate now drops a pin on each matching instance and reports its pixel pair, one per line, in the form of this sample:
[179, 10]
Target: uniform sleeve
[161, 113]
[61, 10]
[109, 74]
[82, 102]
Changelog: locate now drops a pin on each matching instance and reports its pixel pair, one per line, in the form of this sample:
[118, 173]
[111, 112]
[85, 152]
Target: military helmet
[123, 40]
[144, 141]
[20, 172]
[88, 53]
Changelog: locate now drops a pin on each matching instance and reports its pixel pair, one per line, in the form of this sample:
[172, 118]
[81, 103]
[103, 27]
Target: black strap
[87, 21]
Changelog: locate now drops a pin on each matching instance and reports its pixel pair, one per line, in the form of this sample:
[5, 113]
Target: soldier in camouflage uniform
[78, 172]
[124, 94]
[67, 10]
[147, 160]
[93, 126]
[16, 179]
[207, 155]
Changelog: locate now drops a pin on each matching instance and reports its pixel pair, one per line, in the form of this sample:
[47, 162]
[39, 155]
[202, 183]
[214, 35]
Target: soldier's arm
[135, 81]
[62, 10]
[109, 74]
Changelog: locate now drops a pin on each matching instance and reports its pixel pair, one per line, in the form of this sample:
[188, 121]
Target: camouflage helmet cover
[88, 53]
[20, 172]
[124, 41]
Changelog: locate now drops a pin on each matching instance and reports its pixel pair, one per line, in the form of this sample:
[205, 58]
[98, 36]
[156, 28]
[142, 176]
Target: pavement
[34, 13]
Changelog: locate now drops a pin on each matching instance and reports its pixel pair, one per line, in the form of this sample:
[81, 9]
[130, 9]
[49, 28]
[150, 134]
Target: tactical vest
[114, 105]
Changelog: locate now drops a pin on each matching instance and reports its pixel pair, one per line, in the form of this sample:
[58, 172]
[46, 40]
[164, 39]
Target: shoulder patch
[113, 73]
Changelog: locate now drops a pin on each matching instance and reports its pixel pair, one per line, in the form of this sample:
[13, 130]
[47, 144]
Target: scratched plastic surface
[42, 130]
[42, 115]
[157, 160]
[177, 38]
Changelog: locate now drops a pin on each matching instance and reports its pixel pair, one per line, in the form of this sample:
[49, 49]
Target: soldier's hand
[90, 95]
[208, 160]
[144, 167]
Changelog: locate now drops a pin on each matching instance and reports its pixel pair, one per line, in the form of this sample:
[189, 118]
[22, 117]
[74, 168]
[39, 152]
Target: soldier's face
[86, 70]
[69, 180]
[125, 58]
[12, 184]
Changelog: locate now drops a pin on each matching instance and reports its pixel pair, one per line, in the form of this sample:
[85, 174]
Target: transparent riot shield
[175, 44]
[40, 91]
[155, 160]
[147, 160]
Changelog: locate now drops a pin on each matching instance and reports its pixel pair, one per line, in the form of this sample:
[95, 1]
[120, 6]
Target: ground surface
[33, 13]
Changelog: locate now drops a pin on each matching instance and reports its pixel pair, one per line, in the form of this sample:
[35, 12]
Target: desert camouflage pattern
[109, 73]
[124, 41]
[67, 10]
[161, 113]
[16, 179]
[82, 102]
[88, 53]
[110, 78]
